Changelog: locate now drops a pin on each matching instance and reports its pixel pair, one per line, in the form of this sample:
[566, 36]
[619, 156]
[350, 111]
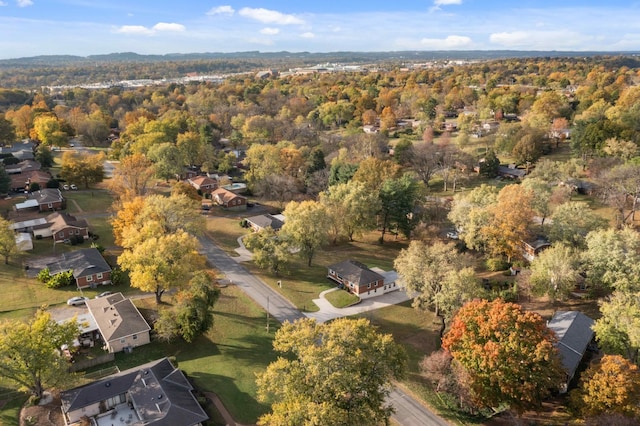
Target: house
[228, 199]
[531, 249]
[61, 226]
[262, 221]
[22, 181]
[371, 128]
[153, 394]
[48, 199]
[23, 167]
[203, 184]
[358, 279]
[88, 266]
[187, 173]
[574, 332]
[121, 325]
[24, 241]
[511, 172]
[22, 150]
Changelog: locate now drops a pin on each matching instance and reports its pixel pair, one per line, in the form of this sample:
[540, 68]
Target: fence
[91, 362]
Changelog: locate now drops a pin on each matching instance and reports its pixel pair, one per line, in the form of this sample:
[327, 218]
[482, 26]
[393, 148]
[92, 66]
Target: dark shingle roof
[160, 393]
[355, 272]
[266, 221]
[82, 262]
[574, 333]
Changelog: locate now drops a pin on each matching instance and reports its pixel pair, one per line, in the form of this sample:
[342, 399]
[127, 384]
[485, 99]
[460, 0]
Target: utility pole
[267, 314]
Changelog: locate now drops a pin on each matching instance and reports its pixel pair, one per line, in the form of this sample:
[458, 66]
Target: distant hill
[415, 55]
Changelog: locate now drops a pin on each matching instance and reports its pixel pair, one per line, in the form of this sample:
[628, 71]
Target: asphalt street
[408, 411]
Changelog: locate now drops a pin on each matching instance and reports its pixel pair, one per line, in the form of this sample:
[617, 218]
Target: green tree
[613, 259]
[7, 240]
[612, 385]
[428, 269]
[571, 223]
[397, 202]
[555, 272]
[30, 352]
[351, 209]
[5, 181]
[83, 167]
[7, 131]
[508, 353]
[336, 373]
[167, 160]
[618, 329]
[192, 315]
[306, 227]
[44, 156]
[270, 252]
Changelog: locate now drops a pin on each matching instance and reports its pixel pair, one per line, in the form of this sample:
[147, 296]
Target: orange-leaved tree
[610, 386]
[508, 353]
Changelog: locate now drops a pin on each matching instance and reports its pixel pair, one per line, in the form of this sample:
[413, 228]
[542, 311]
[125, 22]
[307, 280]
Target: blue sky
[85, 27]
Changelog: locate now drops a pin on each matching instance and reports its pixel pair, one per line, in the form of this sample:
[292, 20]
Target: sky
[88, 27]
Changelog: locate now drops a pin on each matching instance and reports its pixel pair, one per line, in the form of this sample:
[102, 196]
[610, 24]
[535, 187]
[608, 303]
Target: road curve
[408, 411]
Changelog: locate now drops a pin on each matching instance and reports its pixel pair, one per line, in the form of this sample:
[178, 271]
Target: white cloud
[142, 30]
[221, 10]
[24, 3]
[267, 16]
[4, 3]
[438, 3]
[450, 42]
[164, 26]
[134, 29]
[307, 35]
[269, 31]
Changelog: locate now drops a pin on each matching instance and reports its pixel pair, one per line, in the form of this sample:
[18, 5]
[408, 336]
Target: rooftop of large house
[82, 262]
[355, 272]
[117, 316]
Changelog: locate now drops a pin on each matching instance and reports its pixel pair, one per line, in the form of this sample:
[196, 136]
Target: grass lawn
[88, 200]
[225, 230]
[341, 298]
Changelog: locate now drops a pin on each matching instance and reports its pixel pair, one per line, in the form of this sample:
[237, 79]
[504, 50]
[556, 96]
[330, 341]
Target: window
[99, 276]
[89, 277]
[61, 234]
[123, 340]
[369, 285]
[77, 232]
[50, 205]
[134, 337]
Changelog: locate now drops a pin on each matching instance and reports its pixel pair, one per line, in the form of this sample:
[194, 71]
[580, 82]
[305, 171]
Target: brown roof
[225, 196]
[117, 317]
[20, 180]
[202, 181]
[59, 221]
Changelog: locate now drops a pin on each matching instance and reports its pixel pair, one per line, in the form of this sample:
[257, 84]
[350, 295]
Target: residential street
[409, 412]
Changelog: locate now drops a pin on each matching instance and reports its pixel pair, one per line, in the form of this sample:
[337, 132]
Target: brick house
[88, 266]
[204, 184]
[228, 199]
[61, 226]
[358, 279]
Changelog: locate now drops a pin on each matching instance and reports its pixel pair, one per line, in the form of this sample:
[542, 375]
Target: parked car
[77, 301]
[73, 186]
[65, 187]
[104, 294]
[453, 235]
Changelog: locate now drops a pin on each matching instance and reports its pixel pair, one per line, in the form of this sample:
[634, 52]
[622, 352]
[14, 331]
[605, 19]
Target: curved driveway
[408, 411]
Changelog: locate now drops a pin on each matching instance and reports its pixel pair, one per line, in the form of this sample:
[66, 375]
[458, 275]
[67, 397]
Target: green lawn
[225, 232]
[341, 298]
[88, 200]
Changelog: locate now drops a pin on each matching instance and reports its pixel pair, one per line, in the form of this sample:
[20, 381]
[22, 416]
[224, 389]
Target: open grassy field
[88, 201]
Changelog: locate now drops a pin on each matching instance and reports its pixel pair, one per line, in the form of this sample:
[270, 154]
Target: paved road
[409, 412]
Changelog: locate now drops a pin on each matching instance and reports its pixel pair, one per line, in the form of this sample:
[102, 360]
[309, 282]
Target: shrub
[119, 277]
[62, 279]
[44, 276]
[496, 264]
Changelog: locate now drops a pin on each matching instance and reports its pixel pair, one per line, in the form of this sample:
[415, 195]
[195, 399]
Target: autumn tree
[167, 160]
[432, 269]
[555, 272]
[511, 217]
[351, 209]
[508, 353]
[30, 352]
[161, 262]
[318, 378]
[48, 130]
[611, 385]
[372, 172]
[83, 167]
[192, 313]
[470, 213]
[617, 328]
[7, 131]
[131, 176]
[270, 252]
[7, 240]
[306, 227]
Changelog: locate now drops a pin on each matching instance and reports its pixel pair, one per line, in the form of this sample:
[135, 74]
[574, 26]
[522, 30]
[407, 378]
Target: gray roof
[83, 262]
[117, 317]
[574, 332]
[511, 171]
[266, 221]
[46, 195]
[160, 393]
[355, 272]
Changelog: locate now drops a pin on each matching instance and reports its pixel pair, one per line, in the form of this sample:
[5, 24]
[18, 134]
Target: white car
[65, 187]
[73, 186]
[77, 301]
